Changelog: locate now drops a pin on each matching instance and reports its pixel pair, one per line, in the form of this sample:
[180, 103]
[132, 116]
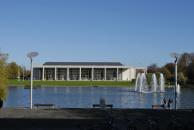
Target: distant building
[84, 71]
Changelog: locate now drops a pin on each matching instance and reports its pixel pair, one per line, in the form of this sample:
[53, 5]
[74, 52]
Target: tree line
[185, 69]
[10, 71]
[16, 71]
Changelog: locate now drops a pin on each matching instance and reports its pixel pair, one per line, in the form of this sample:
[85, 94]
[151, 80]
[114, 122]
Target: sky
[134, 32]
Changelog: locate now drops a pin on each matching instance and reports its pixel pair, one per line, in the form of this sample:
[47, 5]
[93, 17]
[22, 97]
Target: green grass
[71, 83]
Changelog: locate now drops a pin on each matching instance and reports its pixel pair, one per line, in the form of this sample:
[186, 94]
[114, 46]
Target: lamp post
[175, 55]
[31, 55]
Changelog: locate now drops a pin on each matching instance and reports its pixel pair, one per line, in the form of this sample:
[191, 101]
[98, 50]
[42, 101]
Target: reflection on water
[85, 97]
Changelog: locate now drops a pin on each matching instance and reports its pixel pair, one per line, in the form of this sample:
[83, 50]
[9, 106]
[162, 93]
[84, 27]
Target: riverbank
[26, 83]
[95, 119]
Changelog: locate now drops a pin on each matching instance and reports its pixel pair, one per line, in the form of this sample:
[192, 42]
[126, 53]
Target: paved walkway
[95, 119]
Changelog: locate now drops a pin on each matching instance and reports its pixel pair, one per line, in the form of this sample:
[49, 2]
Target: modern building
[112, 71]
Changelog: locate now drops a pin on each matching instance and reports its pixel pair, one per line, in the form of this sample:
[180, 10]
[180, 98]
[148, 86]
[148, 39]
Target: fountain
[141, 82]
[178, 89]
[162, 83]
[137, 82]
[142, 86]
[154, 84]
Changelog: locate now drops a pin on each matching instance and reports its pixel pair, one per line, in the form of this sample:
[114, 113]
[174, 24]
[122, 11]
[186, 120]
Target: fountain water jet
[137, 81]
[142, 86]
[143, 83]
[162, 83]
[154, 83]
[178, 89]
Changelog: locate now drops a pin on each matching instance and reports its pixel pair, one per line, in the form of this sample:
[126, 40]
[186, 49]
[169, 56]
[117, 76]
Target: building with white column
[84, 71]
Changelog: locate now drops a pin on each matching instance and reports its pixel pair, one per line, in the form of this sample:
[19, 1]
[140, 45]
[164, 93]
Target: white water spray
[142, 86]
[178, 89]
[162, 83]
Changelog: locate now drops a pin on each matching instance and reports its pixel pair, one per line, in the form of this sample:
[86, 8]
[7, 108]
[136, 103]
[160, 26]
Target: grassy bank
[71, 83]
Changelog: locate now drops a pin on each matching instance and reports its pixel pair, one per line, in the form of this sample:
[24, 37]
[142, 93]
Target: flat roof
[83, 64]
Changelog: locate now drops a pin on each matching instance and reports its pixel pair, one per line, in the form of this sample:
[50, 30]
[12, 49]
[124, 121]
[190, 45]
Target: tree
[152, 68]
[183, 62]
[23, 72]
[3, 77]
[185, 69]
[166, 72]
[13, 70]
[190, 72]
[182, 79]
[170, 67]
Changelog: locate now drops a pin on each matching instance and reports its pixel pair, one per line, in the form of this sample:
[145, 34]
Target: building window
[99, 74]
[74, 73]
[86, 74]
[37, 75]
[111, 74]
[61, 74]
[50, 73]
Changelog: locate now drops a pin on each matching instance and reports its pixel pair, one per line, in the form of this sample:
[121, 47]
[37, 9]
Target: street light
[175, 55]
[31, 55]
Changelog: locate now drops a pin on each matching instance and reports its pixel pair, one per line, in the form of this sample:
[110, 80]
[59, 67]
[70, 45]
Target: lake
[85, 97]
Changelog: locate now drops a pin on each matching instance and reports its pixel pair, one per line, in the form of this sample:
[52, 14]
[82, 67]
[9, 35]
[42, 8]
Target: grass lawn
[71, 83]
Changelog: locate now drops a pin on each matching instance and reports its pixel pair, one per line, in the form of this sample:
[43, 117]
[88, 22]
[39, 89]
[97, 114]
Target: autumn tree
[3, 77]
[152, 68]
[13, 70]
[166, 72]
[190, 71]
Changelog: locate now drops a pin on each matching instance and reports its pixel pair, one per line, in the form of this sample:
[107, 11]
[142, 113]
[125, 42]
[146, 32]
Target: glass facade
[111, 74]
[86, 74]
[61, 74]
[57, 73]
[99, 74]
[49, 73]
[74, 73]
[37, 75]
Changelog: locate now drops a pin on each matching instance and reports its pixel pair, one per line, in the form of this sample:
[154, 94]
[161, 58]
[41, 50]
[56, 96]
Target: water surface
[85, 97]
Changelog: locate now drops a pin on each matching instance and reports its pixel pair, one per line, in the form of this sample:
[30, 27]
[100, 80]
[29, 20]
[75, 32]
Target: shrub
[3, 79]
